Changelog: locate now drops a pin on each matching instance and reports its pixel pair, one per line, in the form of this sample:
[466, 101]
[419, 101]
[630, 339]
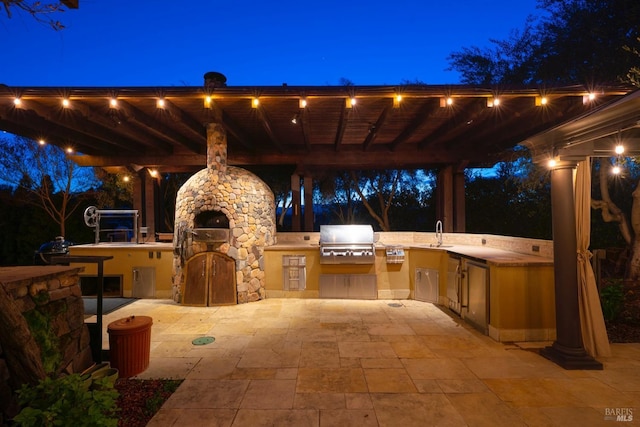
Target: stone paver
[301, 362]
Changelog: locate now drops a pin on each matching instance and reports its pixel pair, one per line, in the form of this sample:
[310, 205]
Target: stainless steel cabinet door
[144, 282]
[476, 294]
[453, 284]
[426, 280]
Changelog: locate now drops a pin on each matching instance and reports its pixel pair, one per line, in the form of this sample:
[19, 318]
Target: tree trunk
[612, 213]
[384, 226]
[285, 208]
[633, 272]
[20, 349]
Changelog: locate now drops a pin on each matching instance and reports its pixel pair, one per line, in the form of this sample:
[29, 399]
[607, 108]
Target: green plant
[68, 401]
[40, 327]
[612, 300]
[153, 404]
[171, 386]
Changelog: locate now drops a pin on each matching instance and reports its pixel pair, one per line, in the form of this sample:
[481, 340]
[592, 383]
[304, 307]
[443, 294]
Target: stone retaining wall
[52, 296]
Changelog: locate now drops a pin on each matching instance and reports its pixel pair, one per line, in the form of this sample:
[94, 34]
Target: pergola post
[295, 202]
[149, 212]
[308, 202]
[144, 201]
[568, 349]
[459, 223]
[444, 198]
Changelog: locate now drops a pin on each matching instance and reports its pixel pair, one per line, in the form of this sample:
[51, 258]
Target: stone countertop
[492, 256]
[19, 273]
[125, 245]
[291, 246]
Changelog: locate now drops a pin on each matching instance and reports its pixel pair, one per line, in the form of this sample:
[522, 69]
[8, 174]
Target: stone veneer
[53, 294]
[247, 202]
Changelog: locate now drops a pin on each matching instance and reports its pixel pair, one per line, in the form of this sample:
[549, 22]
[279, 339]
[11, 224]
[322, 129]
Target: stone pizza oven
[225, 217]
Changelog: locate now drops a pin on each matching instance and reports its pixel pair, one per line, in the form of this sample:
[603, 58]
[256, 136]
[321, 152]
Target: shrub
[612, 300]
[70, 400]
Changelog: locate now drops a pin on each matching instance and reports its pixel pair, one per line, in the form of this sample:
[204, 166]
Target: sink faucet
[439, 232]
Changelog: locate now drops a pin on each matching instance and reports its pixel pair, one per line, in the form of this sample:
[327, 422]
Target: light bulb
[619, 149]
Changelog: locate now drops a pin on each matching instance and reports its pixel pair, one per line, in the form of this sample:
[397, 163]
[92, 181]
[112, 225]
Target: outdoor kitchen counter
[516, 276]
[143, 270]
[493, 256]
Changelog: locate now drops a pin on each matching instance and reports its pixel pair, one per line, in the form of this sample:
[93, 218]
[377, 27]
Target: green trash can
[130, 344]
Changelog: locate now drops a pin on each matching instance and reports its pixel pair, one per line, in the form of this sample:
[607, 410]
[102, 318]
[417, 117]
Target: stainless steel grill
[346, 244]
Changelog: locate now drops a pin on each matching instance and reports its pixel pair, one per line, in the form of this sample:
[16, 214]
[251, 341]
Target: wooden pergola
[313, 129]
[310, 129]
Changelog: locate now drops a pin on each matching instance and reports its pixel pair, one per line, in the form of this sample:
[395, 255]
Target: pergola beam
[375, 128]
[163, 132]
[266, 125]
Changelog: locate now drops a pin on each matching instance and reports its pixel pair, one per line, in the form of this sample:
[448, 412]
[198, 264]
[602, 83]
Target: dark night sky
[170, 43]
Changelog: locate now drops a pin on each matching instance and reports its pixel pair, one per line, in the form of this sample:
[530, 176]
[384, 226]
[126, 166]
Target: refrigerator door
[475, 299]
[453, 284]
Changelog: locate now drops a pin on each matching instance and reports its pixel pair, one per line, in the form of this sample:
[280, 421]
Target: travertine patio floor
[315, 362]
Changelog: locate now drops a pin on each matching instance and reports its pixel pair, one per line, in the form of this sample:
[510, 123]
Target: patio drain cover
[203, 341]
[394, 304]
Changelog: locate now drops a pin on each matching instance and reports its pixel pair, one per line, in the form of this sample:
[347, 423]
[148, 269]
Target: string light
[616, 170]
[619, 149]
[447, 102]
[588, 98]
[65, 102]
[493, 102]
[160, 103]
[302, 103]
[113, 102]
[255, 102]
[17, 101]
[41, 141]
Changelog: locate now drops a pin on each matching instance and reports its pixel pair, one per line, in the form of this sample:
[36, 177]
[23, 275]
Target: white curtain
[594, 332]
